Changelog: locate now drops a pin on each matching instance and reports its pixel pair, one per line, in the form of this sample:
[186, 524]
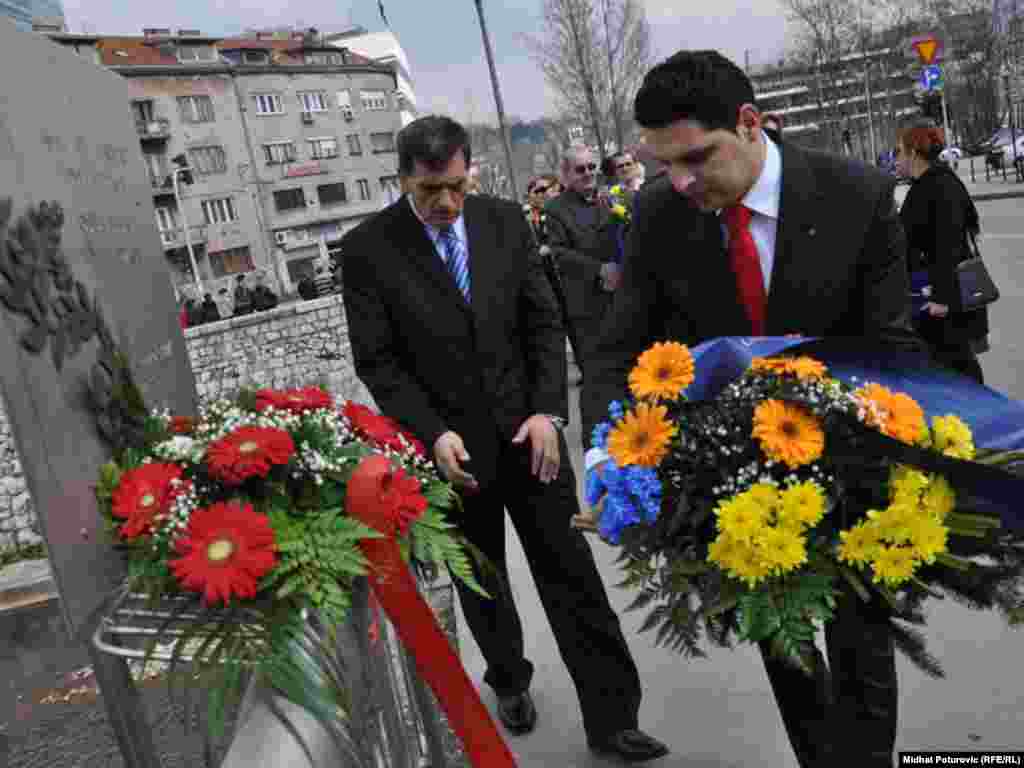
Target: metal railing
[175, 238]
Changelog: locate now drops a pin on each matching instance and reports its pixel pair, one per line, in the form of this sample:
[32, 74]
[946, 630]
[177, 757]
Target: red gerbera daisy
[294, 400]
[386, 497]
[396, 443]
[248, 452]
[369, 423]
[225, 551]
[144, 493]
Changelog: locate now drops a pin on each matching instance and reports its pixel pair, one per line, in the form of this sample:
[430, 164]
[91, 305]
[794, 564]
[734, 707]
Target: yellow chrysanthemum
[642, 437]
[619, 210]
[765, 495]
[742, 518]
[894, 565]
[788, 433]
[952, 437]
[907, 484]
[928, 538]
[895, 522]
[783, 549]
[940, 498]
[616, 190]
[802, 505]
[895, 413]
[860, 544]
[663, 371]
[739, 559]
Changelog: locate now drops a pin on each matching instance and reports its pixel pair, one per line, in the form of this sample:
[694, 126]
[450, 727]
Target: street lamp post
[497, 98]
[184, 221]
[1009, 110]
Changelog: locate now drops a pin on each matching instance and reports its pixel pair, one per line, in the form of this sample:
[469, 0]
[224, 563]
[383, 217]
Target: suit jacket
[432, 360]
[935, 216]
[839, 270]
[581, 251]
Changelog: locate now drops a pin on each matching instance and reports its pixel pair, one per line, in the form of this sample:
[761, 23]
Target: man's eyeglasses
[624, 166]
[589, 167]
[539, 190]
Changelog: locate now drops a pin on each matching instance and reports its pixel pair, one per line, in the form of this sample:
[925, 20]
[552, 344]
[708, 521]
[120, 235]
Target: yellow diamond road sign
[926, 49]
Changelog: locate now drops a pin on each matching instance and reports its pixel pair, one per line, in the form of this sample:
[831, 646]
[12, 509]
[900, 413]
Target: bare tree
[627, 42]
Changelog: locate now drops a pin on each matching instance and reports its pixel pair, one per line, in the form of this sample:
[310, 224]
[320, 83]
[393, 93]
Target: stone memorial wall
[297, 344]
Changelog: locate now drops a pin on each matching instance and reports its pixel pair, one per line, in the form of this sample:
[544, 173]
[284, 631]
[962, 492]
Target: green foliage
[319, 558]
[435, 540]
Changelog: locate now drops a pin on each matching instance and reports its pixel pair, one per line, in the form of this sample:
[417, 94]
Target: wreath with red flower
[293, 400]
[143, 495]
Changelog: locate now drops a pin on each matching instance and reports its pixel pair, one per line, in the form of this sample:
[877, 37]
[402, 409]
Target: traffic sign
[929, 48]
[931, 77]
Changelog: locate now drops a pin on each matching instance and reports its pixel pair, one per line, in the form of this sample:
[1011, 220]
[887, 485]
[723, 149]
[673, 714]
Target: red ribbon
[414, 620]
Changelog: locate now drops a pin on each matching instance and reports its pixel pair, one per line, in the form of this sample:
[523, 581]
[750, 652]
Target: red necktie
[746, 265]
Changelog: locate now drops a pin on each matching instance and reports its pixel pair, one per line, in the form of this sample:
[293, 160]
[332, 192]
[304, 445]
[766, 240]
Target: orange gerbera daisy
[663, 371]
[896, 414]
[801, 367]
[776, 365]
[642, 437]
[788, 433]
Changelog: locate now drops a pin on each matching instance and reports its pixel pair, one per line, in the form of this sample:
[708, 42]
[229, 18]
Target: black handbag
[977, 288]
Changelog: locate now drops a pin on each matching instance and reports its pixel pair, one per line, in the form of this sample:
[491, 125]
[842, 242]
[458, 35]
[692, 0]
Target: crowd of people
[243, 300]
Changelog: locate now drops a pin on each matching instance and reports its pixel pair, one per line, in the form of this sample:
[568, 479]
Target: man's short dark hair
[693, 85]
[432, 140]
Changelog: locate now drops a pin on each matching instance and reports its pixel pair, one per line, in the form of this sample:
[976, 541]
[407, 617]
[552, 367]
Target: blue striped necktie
[456, 259]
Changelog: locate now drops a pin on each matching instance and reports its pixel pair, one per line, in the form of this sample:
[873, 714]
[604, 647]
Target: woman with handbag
[941, 224]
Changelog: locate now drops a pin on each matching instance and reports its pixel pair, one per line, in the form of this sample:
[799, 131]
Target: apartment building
[289, 143]
[25, 12]
[383, 48]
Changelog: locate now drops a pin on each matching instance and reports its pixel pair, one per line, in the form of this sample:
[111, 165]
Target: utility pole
[497, 99]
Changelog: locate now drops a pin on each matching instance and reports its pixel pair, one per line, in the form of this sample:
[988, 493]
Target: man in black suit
[455, 330]
[581, 237]
[746, 236]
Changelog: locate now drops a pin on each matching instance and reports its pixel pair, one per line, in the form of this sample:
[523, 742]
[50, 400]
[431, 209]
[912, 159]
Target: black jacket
[936, 215]
[432, 360]
[839, 270]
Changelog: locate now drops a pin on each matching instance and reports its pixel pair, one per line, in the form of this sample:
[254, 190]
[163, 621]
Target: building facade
[25, 11]
[383, 48]
[839, 107]
[287, 142]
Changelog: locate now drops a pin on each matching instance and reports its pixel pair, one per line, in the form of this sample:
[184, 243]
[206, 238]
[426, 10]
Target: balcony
[161, 183]
[157, 129]
[175, 238]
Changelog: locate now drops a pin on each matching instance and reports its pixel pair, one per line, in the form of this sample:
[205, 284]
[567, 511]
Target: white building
[382, 48]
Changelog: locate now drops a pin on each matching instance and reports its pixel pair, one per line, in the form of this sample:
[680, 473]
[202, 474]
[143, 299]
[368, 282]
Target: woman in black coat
[938, 217]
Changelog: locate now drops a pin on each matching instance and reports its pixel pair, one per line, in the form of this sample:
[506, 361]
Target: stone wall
[297, 344]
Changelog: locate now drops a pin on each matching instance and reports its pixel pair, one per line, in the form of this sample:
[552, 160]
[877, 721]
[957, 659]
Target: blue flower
[615, 410]
[599, 437]
[644, 486]
[632, 496]
[618, 513]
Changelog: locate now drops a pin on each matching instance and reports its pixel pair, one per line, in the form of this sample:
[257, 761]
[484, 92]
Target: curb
[26, 583]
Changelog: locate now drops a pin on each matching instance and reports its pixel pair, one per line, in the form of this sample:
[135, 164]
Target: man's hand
[611, 276]
[544, 459]
[936, 310]
[586, 519]
[448, 452]
[545, 250]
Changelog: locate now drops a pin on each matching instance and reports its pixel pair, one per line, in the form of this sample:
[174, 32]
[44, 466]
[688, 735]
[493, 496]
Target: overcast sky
[442, 37]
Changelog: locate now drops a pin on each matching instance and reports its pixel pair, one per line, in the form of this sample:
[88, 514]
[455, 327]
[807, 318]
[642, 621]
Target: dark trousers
[961, 359]
[585, 627]
[846, 713]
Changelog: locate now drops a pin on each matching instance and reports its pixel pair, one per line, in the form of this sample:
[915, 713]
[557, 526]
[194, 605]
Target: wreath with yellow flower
[742, 517]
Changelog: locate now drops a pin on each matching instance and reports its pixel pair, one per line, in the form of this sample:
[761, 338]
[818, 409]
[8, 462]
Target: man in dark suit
[581, 237]
[455, 330]
[746, 236]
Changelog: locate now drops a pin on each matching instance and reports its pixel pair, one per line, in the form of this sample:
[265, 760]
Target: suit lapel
[423, 254]
[797, 245]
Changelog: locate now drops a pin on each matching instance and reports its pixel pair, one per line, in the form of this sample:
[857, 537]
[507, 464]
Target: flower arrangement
[741, 517]
[245, 510]
[620, 203]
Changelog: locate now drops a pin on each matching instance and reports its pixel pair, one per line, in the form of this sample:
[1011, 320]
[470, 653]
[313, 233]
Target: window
[353, 144]
[196, 53]
[374, 100]
[289, 199]
[254, 57]
[156, 164]
[325, 58]
[390, 188]
[166, 219]
[345, 103]
[279, 152]
[231, 261]
[208, 160]
[364, 189]
[313, 101]
[321, 149]
[331, 194]
[382, 142]
[143, 111]
[268, 104]
[195, 109]
[219, 210]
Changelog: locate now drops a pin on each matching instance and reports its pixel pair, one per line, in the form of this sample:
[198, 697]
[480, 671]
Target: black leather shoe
[632, 746]
[517, 713]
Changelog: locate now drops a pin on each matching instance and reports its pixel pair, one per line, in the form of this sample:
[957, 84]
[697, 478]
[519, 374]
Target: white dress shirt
[458, 229]
[763, 201]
